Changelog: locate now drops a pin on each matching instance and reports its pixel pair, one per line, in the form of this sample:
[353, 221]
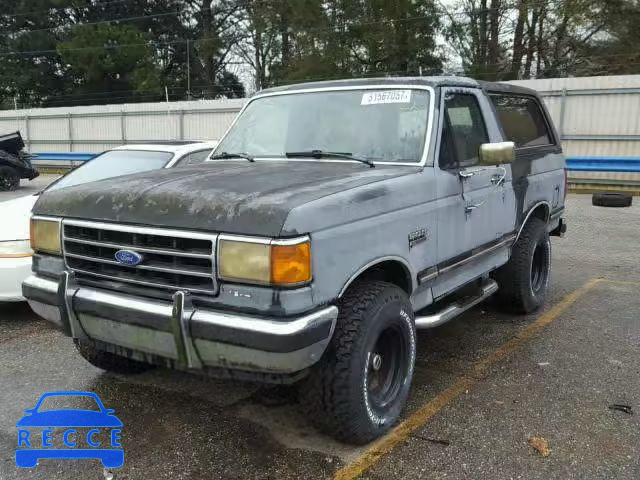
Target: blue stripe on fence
[576, 164]
[603, 164]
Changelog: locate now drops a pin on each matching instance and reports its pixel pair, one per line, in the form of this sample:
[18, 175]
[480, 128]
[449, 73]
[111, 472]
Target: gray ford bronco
[332, 221]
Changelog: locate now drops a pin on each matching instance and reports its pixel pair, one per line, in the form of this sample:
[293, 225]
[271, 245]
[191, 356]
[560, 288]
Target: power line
[84, 24]
[334, 28]
[57, 9]
[134, 94]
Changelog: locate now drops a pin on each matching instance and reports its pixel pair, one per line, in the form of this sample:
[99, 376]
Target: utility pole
[189, 96]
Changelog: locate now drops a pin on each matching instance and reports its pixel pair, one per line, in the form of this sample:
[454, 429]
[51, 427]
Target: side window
[463, 132]
[522, 120]
[193, 158]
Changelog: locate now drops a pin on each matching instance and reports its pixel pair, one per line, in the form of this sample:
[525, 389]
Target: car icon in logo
[35, 433]
[128, 257]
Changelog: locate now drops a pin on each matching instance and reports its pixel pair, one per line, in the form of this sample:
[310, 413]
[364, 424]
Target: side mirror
[497, 153]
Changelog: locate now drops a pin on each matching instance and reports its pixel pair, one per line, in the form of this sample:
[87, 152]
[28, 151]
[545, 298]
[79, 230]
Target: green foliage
[72, 52]
[315, 39]
[115, 58]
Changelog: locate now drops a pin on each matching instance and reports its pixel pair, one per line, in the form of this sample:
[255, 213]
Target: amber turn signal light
[290, 264]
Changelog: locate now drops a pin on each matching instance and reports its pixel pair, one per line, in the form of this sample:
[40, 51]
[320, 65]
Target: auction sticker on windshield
[69, 433]
[386, 96]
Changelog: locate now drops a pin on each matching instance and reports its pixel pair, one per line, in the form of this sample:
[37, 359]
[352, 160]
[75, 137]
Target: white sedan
[15, 250]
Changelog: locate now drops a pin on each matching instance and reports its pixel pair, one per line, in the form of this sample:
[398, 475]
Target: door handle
[470, 207]
[497, 179]
[466, 174]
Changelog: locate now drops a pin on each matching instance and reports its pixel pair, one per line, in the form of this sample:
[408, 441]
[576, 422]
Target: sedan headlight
[45, 235]
[15, 249]
[264, 261]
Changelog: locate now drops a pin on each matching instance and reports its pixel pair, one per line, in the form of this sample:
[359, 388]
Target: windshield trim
[376, 86]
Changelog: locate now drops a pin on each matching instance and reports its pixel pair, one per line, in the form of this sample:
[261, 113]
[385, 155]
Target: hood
[223, 196]
[15, 217]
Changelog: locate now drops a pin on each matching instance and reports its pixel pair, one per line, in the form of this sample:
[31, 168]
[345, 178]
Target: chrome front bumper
[194, 338]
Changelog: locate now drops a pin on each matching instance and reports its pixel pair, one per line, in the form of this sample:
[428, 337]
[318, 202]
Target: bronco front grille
[172, 260]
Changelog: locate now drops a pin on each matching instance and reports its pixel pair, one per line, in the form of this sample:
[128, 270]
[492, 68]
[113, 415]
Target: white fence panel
[596, 116]
[100, 127]
[200, 125]
[96, 127]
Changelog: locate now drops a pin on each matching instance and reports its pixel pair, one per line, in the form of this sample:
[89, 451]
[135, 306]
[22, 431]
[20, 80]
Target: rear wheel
[9, 178]
[109, 361]
[524, 280]
[360, 386]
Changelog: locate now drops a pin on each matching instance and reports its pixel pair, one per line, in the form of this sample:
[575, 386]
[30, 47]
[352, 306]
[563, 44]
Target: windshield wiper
[223, 155]
[323, 154]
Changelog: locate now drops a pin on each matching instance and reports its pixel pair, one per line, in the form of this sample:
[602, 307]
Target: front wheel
[9, 178]
[360, 386]
[524, 280]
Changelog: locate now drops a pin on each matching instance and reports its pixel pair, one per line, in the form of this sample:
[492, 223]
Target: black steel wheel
[539, 267]
[359, 388]
[524, 280]
[387, 366]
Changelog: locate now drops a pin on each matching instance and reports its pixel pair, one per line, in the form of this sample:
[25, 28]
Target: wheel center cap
[376, 361]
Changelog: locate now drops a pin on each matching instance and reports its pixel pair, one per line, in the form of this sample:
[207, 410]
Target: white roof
[181, 148]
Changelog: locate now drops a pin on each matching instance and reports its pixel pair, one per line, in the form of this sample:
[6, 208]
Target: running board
[455, 309]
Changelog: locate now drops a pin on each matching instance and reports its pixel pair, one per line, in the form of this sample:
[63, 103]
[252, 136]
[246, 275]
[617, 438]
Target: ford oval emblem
[128, 257]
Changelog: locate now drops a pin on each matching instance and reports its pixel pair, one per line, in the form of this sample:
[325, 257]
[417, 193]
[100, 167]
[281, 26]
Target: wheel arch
[394, 269]
[541, 210]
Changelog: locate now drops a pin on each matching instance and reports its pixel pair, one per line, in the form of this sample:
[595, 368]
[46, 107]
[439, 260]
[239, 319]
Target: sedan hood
[15, 218]
[223, 196]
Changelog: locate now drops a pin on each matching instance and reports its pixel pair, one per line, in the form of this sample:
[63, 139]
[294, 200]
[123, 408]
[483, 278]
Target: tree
[613, 50]
[396, 38]
[313, 39]
[68, 52]
[508, 39]
[111, 58]
[29, 26]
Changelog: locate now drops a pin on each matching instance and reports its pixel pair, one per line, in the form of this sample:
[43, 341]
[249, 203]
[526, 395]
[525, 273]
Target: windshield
[380, 125]
[114, 163]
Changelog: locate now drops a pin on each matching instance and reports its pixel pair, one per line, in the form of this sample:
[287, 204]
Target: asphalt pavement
[28, 187]
[486, 387]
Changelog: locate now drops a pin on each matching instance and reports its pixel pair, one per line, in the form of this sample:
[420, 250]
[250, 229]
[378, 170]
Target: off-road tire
[516, 279]
[335, 396]
[109, 361]
[609, 199]
[9, 179]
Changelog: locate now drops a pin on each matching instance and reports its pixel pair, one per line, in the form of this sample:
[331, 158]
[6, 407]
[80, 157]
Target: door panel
[476, 202]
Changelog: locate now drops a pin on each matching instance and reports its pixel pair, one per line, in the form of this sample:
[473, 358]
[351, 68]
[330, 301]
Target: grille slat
[175, 270]
[172, 260]
[176, 253]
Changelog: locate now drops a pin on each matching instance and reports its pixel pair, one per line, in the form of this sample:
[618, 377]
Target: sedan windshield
[114, 163]
[386, 125]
